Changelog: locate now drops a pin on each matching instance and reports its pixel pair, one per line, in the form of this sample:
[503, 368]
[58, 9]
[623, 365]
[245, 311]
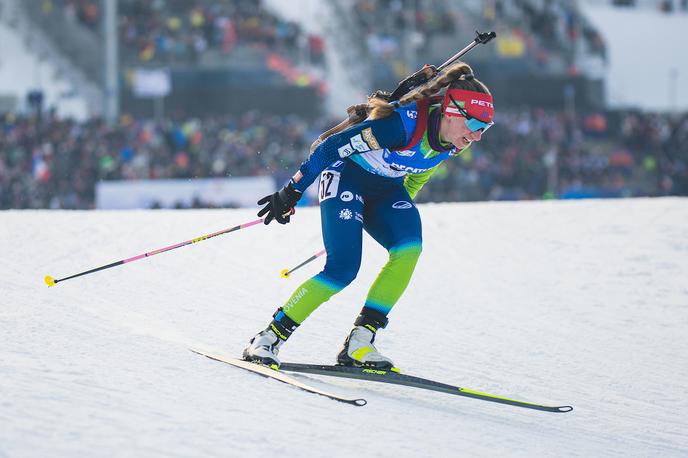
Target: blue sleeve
[388, 132]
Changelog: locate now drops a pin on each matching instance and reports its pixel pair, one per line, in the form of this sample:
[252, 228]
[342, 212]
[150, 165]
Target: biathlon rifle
[430, 71]
[357, 113]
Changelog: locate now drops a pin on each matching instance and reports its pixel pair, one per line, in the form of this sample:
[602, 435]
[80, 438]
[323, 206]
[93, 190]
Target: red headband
[477, 104]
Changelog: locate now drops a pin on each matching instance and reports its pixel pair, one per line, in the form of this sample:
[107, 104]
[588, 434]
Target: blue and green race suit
[369, 175]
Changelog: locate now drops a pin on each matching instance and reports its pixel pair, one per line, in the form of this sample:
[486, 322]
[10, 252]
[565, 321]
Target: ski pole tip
[285, 273]
[50, 281]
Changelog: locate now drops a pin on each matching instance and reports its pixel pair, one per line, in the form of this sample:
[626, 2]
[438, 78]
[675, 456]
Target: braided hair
[456, 76]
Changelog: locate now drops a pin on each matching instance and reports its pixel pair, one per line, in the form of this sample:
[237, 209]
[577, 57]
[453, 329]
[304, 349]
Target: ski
[396, 378]
[269, 372]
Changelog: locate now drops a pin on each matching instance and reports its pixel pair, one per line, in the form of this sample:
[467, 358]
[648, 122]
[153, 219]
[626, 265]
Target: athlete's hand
[280, 205]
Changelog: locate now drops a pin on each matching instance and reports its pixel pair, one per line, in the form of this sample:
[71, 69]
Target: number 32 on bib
[329, 185]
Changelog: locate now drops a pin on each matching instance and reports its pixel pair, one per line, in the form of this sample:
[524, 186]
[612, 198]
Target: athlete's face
[454, 130]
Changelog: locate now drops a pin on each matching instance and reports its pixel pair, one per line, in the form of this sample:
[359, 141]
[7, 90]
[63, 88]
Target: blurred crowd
[547, 28]
[393, 27]
[56, 163]
[544, 31]
[529, 154]
[86, 12]
[174, 31]
[560, 26]
[534, 154]
[665, 6]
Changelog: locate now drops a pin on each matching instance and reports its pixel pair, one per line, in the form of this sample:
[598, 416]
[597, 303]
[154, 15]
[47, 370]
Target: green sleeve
[414, 181]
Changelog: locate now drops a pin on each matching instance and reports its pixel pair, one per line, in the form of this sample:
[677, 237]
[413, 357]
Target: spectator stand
[532, 153]
[237, 37]
[539, 36]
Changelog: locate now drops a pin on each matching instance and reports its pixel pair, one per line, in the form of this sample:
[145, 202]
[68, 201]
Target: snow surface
[582, 303]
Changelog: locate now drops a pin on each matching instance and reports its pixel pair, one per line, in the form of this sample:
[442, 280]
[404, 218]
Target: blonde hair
[455, 76]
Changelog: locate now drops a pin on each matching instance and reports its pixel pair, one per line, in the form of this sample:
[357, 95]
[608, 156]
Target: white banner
[218, 192]
[151, 83]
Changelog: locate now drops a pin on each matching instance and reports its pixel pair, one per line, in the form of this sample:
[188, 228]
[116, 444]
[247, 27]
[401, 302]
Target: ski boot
[358, 349]
[264, 346]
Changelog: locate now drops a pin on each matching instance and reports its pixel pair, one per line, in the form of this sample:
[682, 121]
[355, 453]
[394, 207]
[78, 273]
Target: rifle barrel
[481, 38]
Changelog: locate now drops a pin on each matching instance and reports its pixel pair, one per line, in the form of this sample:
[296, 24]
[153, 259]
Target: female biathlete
[369, 175]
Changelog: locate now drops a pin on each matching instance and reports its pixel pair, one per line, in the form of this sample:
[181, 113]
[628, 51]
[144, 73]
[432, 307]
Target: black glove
[280, 205]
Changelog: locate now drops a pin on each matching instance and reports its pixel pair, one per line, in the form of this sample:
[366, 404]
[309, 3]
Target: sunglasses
[473, 124]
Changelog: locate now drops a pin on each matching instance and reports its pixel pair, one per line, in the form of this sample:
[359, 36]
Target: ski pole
[286, 272]
[50, 281]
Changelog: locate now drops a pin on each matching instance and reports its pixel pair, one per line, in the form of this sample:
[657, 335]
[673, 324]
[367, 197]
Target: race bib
[329, 185]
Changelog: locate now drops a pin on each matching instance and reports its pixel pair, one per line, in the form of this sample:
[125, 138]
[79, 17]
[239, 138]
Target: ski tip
[285, 273]
[50, 281]
[564, 409]
[360, 402]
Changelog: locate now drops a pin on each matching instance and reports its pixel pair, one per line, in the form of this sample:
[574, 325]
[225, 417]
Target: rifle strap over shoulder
[422, 121]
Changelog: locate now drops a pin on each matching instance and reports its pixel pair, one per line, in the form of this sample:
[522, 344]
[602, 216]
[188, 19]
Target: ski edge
[269, 372]
[395, 378]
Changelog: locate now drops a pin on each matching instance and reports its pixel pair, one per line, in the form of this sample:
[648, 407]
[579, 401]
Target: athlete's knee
[406, 252]
[341, 274]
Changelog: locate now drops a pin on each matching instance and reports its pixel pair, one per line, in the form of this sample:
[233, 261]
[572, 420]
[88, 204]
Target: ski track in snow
[582, 303]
